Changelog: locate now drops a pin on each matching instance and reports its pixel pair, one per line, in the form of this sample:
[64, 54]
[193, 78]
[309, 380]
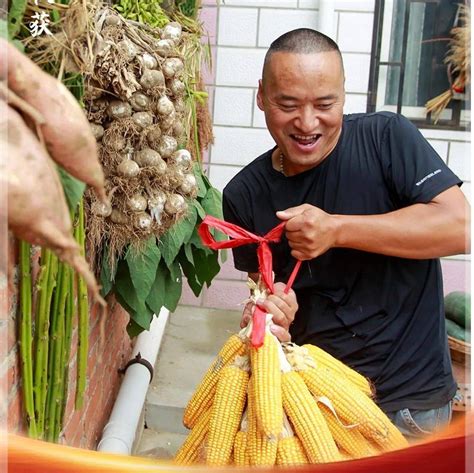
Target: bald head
[301, 41]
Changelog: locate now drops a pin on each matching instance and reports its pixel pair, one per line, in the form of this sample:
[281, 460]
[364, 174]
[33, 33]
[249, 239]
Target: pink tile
[456, 275]
[225, 295]
[208, 72]
[211, 3]
[208, 16]
[229, 272]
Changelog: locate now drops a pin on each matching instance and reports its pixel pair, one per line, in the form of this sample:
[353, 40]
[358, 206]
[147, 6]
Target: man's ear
[260, 95]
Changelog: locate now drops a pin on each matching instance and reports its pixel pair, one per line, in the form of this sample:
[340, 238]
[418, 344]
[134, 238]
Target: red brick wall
[82, 428]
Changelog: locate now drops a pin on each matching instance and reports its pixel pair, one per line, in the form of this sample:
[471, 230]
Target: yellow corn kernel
[188, 454]
[266, 379]
[291, 452]
[326, 360]
[240, 447]
[261, 451]
[307, 420]
[354, 407]
[226, 414]
[203, 397]
[347, 438]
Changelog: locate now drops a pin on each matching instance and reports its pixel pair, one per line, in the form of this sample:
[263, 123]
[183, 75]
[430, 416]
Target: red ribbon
[265, 262]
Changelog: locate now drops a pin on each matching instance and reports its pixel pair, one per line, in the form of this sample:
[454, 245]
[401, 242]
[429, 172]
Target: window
[410, 41]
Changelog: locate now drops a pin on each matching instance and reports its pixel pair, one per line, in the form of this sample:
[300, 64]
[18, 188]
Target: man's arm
[420, 231]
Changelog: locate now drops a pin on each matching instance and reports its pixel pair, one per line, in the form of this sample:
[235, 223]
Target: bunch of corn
[282, 404]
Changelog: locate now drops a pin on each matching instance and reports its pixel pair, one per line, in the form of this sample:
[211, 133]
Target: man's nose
[307, 121]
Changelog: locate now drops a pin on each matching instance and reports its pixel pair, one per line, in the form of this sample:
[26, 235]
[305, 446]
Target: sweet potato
[66, 131]
[37, 209]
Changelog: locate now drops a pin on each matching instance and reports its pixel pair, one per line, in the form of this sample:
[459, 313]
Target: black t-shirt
[382, 315]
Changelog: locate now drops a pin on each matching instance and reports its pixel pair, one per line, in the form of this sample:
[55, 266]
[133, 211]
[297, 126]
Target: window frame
[374, 86]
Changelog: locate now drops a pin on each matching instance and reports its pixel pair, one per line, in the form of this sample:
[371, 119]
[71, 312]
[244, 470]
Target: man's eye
[287, 108]
[325, 106]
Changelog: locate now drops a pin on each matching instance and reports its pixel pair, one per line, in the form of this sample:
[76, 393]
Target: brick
[233, 106]
[459, 159]
[357, 76]
[239, 66]
[441, 147]
[354, 33]
[239, 146]
[355, 103]
[238, 26]
[275, 22]
[15, 413]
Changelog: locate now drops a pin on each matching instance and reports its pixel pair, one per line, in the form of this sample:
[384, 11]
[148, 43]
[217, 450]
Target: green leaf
[127, 297]
[133, 329]
[188, 252]
[106, 276]
[156, 298]
[15, 17]
[206, 266]
[199, 209]
[212, 203]
[143, 266]
[196, 241]
[177, 235]
[202, 188]
[190, 272]
[73, 188]
[173, 287]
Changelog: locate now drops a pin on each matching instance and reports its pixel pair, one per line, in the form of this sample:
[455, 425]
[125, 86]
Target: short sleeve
[413, 169]
[245, 257]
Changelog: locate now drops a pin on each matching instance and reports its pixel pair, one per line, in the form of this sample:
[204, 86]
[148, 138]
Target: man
[369, 207]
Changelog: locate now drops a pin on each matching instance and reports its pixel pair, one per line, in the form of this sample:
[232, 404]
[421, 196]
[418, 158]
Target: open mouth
[306, 140]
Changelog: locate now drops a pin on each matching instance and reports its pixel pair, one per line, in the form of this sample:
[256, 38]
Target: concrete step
[191, 341]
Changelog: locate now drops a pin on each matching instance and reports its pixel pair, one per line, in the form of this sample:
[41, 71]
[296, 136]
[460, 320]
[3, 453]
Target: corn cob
[188, 454]
[347, 438]
[291, 452]
[354, 407]
[308, 422]
[324, 359]
[261, 450]
[266, 379]
[226, 414]
[203, 397]
[240, 447]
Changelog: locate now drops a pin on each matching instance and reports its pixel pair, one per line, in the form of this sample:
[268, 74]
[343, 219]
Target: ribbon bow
[265, 262]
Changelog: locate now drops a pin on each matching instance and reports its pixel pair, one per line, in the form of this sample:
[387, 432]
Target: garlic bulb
[128, 168]
[97, 130]
[142, 119]
[142, 221]
[119, 109]
[148, 61]
[152, 78]
[118, 217]
[174, 204]
[101, 209]
[172, 31]
[182, 158]
[139, 102]
[164, 47]
[164, 106]
[189, 184]
[137, 203]
[167, 146]
[172, 67]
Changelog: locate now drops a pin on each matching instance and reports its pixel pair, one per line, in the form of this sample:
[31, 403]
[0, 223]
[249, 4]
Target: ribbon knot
[265, 260]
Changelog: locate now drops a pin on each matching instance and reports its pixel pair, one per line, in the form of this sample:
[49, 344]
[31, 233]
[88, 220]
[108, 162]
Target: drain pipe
[119, 433]
[326, 18]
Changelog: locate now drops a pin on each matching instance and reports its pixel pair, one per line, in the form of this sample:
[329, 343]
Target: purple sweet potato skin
[66, 131]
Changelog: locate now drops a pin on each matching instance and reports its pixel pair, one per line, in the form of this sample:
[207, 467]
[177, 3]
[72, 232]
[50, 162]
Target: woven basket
[461, 361]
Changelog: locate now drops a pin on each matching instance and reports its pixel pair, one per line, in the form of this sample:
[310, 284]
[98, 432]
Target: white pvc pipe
[119, 433]
[326, 18]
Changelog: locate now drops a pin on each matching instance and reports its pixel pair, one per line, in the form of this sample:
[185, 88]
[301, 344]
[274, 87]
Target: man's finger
[291, 212]
[279, 332]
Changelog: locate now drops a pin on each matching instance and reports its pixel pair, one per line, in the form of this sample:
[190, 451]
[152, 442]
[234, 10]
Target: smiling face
[302, 96]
